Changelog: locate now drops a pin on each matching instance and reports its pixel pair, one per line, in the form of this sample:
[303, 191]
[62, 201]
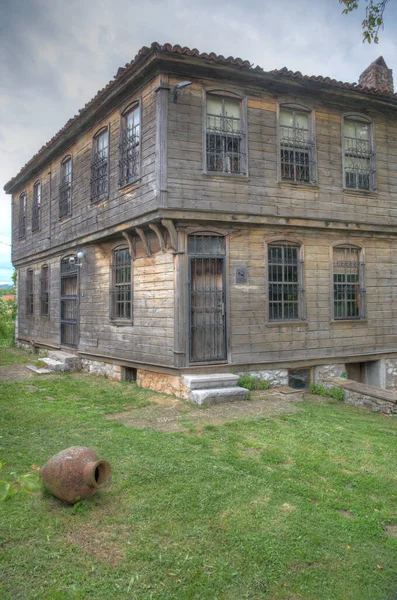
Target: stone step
[218, 395]
[208, 382]
[57, 365]
[71, 361]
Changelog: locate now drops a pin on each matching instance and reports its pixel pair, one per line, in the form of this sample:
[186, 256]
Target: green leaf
[4, 489]
[30, 482]
[1, 465]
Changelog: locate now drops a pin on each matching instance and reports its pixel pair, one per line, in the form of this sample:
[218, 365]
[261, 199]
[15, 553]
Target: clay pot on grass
[75, 474]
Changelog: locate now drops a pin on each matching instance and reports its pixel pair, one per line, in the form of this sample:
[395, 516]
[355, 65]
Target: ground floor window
[285, 281]
[348, 283]
[121, 285]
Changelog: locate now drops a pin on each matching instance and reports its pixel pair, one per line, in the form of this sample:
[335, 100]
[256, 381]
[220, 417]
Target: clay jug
[75, 473]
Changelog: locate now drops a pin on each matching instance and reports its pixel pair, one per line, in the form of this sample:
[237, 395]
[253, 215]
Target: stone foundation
[391, 373]
[374, 404]
[322, 372]
[108, 370]
[163, 383]
[275, 377]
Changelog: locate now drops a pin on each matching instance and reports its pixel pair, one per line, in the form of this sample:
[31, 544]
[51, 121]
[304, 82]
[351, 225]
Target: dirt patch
[181, 416]
[11, 372]
[347, 514]
[102, 542]
[391, 530]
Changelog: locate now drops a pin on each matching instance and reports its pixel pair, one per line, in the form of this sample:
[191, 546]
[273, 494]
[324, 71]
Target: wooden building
[203, 216]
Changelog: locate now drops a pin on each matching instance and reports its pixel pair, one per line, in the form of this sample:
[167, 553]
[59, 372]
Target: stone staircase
[214, 389]
[62, 361]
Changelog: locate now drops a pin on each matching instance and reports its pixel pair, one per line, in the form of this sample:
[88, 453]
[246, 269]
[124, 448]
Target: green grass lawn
[290, 507]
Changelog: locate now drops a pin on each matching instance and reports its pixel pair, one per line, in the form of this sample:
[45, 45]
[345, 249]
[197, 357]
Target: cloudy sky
[55, 55]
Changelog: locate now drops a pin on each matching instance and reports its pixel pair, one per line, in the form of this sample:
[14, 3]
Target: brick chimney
[377, 76]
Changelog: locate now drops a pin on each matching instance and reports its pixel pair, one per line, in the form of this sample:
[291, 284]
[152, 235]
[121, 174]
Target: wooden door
[207, 309]
[69, 303]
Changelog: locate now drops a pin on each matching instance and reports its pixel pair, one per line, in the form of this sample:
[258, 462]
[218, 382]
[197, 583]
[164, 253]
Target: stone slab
[39, 370]
[56, 365]
[206, 382]
[218, 395]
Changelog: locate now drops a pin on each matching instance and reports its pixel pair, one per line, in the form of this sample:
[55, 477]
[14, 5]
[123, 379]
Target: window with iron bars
[359, 157]
[130, 146]
[225, 138]
[44, 291]
[285, 278]
[29, 293]
[348, 283]
[22, 217]
[99, 167]
[65, 188]
[36, 204]
[121, 290]
[297, 147]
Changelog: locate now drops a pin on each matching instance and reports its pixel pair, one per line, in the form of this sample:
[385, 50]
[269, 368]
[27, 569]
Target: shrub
[335, 392]
[7, 326]
[253, 382]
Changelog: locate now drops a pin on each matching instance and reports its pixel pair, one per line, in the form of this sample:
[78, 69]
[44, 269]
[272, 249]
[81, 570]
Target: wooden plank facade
[176, 197]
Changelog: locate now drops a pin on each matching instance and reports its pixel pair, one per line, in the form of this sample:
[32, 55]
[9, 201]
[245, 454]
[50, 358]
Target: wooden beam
[142, 235]
[170, 227]
[131, 243]
[159, 234]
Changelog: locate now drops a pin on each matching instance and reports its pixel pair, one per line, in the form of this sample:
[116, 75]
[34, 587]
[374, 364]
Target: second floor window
[22, 217]
[29, 292]
[44, 291]
[99, 166]
[348, 283]
[121, 286]
[225, 139]
[285, 282]
[36, 205]
[359, 157]
[65, 188]
[297, 147]
[130, 146]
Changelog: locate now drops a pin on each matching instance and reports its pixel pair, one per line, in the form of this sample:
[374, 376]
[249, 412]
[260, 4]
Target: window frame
[226, 93]
[63, 185]
[313, 174]
[361, 283]
[22, 215]
[96, 198]
[372, 158]
[136, 105]
[45, 291]
[113, 317]
[301, 302]
[29, 293]
[36, 206]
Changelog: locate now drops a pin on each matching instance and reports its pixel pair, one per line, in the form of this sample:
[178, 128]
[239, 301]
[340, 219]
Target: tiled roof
[215, 58]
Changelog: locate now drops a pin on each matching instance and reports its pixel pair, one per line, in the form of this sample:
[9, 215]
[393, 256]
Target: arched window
[297, 145]
[285, 281]
[358, 154]
[100, 166]
[22, 216]
[29, 293]
[65, 188]
[36, 206]
[44, 291]
[121, 286]
[225, 134]
[130, 146]
[348, 283]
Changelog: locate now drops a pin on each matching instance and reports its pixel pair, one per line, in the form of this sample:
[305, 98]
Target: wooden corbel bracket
[131, 243]
[143, 237]
[159, 234]
[170, 227]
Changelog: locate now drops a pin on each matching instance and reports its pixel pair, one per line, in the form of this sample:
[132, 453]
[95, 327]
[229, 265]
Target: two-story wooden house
[203, 216]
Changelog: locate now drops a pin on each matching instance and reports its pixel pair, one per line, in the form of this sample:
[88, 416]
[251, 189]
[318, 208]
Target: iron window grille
[44, 291]
[130, 147]
[36, 205]
[297, 147]
[29, 293]
[65, 189]
[99, 167]
[348, 283]
[69, 302]
[121, 290]
[285, 278]
[22, 217]
[359, 157]
[225, 138]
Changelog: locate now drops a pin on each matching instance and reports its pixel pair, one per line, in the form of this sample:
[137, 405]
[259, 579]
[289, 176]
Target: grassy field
[284, 508]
